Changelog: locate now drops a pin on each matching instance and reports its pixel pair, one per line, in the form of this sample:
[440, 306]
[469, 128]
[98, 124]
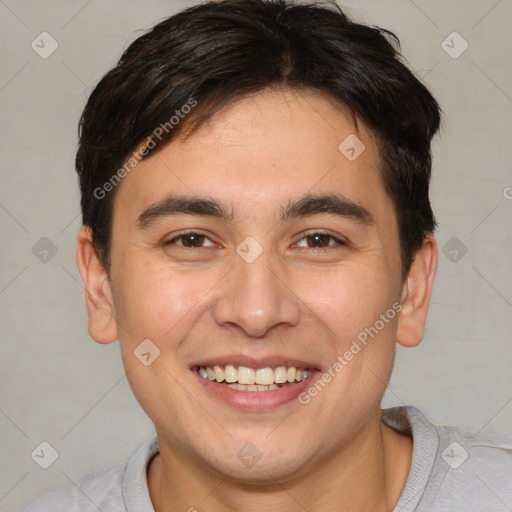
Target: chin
[254, 466]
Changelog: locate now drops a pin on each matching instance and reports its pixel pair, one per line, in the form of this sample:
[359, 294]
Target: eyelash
[305, 236]
[181, 235]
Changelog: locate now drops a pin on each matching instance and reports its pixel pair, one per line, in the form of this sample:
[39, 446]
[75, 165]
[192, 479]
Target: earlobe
[416, 293]
[98, 294]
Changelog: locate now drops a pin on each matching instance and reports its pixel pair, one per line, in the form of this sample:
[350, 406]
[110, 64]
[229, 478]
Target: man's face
[298, 259]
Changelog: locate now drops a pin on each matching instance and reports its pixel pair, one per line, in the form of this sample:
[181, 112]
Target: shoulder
[475, 468]
[89, 493]
[107, 489]
[454, 469]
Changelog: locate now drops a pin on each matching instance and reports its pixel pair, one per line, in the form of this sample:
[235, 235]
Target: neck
[370, 474]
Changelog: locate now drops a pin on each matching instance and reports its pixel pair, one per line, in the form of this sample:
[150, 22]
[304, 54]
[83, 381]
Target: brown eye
[318, 240]
[190, 241]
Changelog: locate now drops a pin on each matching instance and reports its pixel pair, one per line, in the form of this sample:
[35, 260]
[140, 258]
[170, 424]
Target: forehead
[261, 151]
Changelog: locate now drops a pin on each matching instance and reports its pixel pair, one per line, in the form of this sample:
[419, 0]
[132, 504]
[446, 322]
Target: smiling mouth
[243, 378]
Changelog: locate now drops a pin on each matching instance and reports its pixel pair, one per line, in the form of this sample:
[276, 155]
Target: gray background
[58, 386]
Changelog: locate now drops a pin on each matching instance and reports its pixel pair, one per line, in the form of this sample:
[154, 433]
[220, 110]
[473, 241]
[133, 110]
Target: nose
[256, 298]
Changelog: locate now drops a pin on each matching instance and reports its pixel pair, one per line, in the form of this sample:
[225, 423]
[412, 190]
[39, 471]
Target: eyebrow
[189, 205]
[306, 206]
[333, 204]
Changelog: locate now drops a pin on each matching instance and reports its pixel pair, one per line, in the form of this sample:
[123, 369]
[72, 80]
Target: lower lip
[255, 400]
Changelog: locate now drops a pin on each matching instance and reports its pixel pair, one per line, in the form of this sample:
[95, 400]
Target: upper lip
[255, 362]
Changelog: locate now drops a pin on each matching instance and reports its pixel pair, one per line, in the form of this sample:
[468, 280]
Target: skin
[305, 301]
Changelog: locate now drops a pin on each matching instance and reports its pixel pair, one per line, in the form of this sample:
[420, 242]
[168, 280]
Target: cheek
[161, 303]
[348, 308]
[349, 299]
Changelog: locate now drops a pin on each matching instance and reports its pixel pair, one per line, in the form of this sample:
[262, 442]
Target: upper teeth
[244, 375]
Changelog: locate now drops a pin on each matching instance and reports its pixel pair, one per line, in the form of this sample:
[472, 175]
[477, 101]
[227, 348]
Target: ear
[416, 292]
[98, 294]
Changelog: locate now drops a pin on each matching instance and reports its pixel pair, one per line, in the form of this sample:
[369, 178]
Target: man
[258, 236]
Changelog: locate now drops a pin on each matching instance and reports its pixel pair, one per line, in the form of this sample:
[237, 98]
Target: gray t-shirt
[452, 471]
